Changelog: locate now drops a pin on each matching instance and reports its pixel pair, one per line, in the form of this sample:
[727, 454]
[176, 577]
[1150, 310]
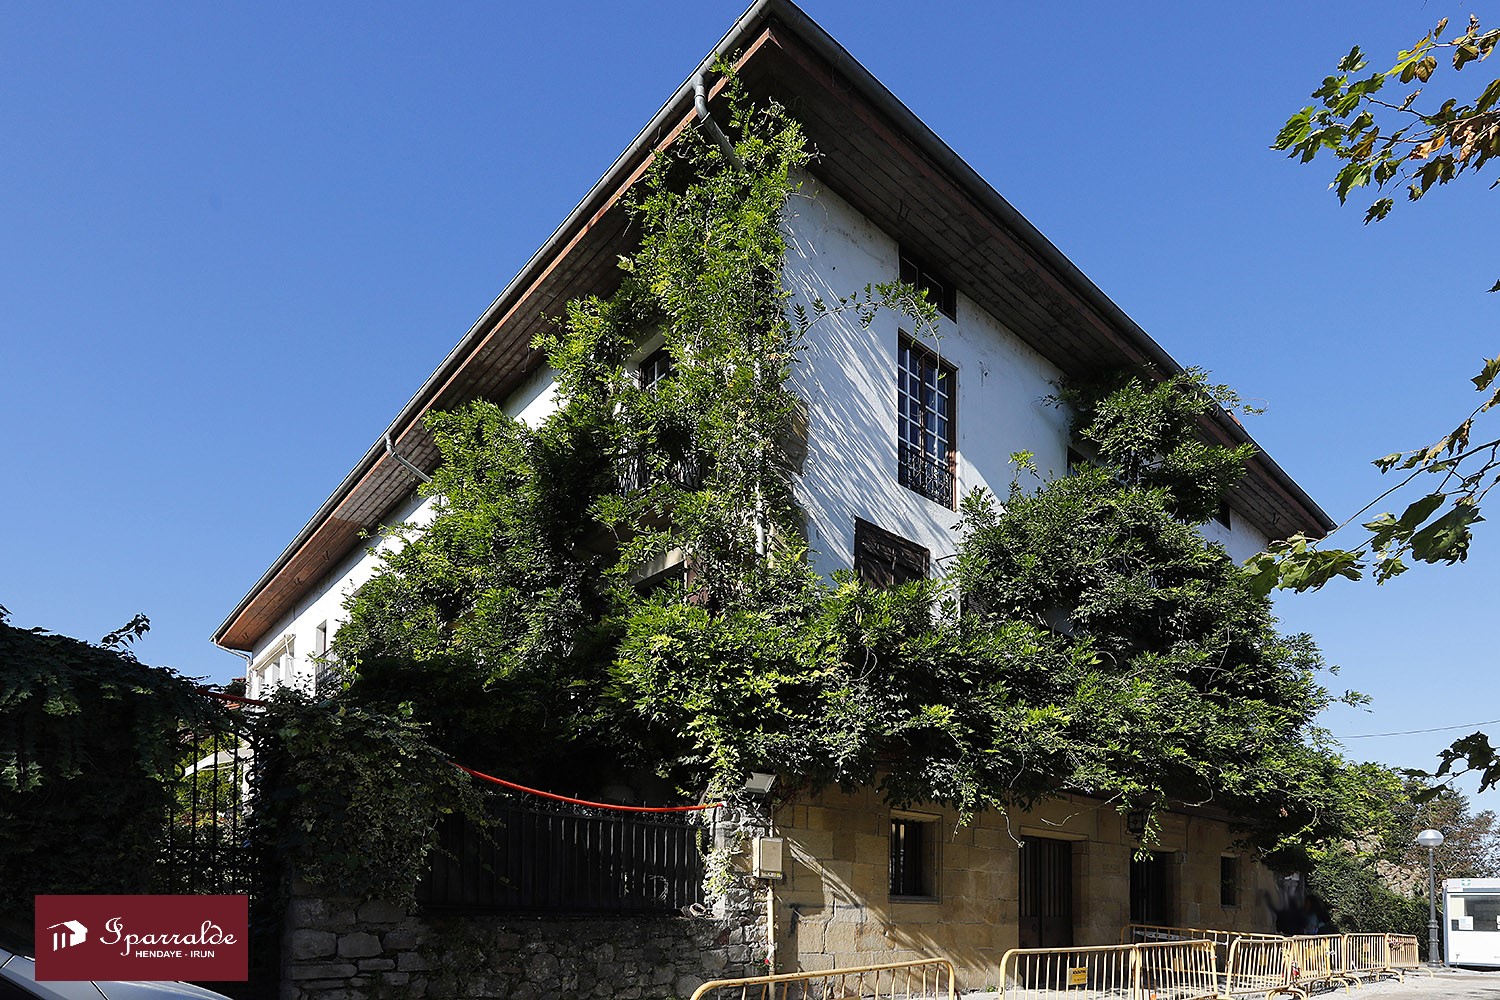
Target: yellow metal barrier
[1177, 970]
[927, 978]
[1109, 972]
[1222, 939]
[1365, 955]
[1260, 966]
[1146, 933]
[1318, 958]
[1401, 955]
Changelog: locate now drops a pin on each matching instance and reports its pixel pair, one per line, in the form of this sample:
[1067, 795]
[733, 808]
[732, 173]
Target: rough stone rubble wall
[342, 949]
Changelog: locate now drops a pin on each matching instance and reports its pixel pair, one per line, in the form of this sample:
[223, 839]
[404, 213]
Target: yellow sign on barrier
[1078, 976]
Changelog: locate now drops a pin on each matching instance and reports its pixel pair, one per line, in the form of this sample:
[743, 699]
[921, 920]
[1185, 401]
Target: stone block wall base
[340, 949]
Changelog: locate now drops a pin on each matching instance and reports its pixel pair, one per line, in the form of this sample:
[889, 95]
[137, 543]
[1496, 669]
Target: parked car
[18, 982]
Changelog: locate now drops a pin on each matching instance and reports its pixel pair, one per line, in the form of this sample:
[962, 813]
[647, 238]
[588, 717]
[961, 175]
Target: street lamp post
[1432, 840]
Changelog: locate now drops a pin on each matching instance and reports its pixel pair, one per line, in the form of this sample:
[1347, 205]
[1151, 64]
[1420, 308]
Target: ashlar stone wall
[835, 906]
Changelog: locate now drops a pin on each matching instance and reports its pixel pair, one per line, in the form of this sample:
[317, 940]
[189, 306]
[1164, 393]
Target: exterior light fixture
[758, 783]
[1432, 840]
[1135, 823]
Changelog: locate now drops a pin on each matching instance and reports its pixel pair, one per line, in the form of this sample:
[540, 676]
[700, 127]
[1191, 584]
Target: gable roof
[878, 156]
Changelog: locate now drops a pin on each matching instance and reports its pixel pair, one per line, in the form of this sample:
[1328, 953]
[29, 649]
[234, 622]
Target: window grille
[912, 867]
[926, 395]
[939, 289]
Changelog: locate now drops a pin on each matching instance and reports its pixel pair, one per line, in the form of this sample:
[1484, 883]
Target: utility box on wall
[766, 857]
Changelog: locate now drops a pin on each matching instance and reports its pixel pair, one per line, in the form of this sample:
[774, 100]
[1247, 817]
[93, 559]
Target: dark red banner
[202, 938]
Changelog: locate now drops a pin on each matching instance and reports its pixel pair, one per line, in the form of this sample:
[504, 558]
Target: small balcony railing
[920, 473]
[686, 472]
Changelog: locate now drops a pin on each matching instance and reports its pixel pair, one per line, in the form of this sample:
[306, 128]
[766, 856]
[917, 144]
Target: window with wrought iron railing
[926, 399]
[680, 464]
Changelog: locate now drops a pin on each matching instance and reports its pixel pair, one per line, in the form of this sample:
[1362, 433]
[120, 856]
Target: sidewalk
[1447, 984]
[1450, 984]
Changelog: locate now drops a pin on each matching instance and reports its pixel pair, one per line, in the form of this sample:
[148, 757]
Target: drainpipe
[248, 659]
[771, 926]
[700, 101]
[390, 449]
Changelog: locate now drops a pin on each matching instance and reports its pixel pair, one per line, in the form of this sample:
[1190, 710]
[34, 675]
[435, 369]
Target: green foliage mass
[91, 745]
[1358, 901]
[347, 800]
[1471, 840]
[1380, 884]
[1090, 639]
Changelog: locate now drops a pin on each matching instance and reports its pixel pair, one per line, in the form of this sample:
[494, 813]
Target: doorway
[1151, 890]
[1046, 893]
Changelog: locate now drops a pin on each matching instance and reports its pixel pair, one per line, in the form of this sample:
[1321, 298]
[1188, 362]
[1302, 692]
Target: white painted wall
[1241, 539]
[285, 656]
[848, 376]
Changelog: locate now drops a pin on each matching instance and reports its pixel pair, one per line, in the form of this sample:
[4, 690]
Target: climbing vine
[348, 800]
[92, 743]
[626, 580]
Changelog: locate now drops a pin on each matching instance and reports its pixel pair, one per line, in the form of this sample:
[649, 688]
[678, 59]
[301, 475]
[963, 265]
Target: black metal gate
[1150, 890]
[563, 859]
[207, 847]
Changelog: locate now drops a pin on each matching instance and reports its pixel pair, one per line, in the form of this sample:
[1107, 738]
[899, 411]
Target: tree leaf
[1447, 538]
[1491, 367]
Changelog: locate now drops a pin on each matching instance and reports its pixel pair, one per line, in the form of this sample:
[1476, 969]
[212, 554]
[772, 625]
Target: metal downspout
[390, 449]
[700, 101]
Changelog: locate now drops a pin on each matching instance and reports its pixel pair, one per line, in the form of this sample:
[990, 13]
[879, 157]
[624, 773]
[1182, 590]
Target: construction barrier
[1365, 955]
[1177, 970]
[1259, 966]
[1107, 972]
[925, 978]
[1222, 940]
[1401, 954]
[1318, 959]
[1146, 933]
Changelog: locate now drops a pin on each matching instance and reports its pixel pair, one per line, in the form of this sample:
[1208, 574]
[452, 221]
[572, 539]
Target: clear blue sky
[236, 239]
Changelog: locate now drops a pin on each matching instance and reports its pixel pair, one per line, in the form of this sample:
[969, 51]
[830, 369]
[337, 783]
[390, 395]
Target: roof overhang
[878, 156]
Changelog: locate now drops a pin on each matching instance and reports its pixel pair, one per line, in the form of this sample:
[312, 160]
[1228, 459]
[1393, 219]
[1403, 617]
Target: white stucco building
[885, 199]
[886, 459]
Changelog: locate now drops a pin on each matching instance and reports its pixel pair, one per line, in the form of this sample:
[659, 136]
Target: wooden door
[1046, 893]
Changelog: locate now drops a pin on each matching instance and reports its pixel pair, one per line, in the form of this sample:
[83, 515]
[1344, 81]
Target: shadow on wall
[849, 378]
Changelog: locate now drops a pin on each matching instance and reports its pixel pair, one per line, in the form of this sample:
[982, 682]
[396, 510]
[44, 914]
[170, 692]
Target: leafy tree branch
[1386, 132]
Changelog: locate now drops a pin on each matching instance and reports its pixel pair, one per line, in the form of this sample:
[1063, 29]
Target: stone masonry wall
[338, 950]
[835, 907]
[344, 949]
